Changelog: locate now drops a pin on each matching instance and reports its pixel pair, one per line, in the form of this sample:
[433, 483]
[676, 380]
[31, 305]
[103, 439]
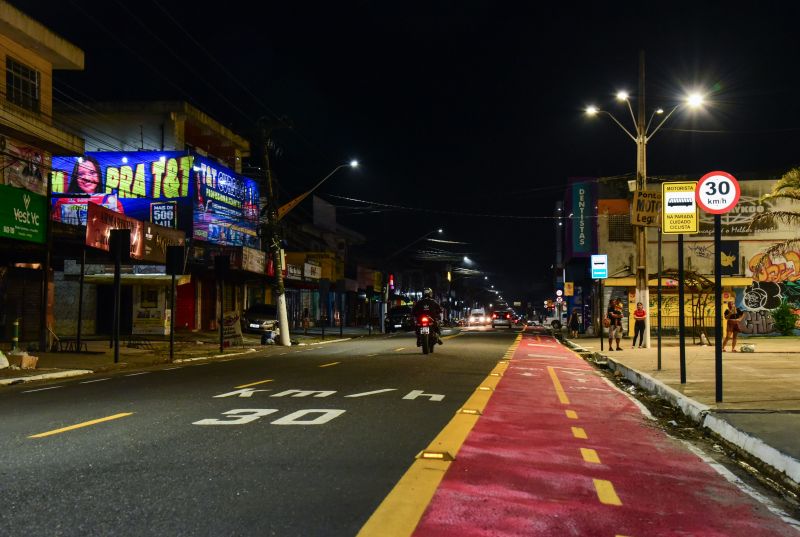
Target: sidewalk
[188, 346]
[760, 412]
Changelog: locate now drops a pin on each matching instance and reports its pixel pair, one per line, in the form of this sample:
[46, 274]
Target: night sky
[472, 109]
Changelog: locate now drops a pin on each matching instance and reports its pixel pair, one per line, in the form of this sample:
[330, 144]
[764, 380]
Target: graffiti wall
[757, 299]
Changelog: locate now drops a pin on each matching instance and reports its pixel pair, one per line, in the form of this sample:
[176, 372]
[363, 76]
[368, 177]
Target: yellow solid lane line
[578, 432]
[330, 364]
[606, 493]
[401, 510]
[562, 396]
[571, 414]
[253, 384]
[590, 455]
[400, 349]
[79, 425]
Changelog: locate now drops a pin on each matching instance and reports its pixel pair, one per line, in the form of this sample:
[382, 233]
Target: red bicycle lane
[559, 451]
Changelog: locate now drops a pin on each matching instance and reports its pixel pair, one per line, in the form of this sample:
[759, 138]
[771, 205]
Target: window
[22, 85]
[619, 228]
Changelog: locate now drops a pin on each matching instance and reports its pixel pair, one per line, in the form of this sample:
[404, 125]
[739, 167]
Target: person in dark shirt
[614, 315]
[428, 306]
[732, 318]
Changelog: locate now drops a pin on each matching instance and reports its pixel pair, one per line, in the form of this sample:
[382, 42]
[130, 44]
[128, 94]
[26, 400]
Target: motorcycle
[426, 333]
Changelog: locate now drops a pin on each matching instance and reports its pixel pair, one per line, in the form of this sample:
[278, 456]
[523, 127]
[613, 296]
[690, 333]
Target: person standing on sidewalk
[573, 324]
[732, 318]
[639, 315]
[614, 315]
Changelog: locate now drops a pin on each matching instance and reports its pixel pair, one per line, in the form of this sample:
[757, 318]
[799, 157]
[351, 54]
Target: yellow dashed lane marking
[562, 396]
[571, 414]
[79, 425]
[590, 455]
[330, 364]
[253, 384]
[606, 493]
[400, 349]
[578, 432]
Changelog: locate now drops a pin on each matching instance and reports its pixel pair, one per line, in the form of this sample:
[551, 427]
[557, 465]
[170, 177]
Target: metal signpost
[679, 216]
[717, 193]
[599, 272]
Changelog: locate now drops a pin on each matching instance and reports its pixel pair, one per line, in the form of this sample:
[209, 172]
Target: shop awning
[138, 279]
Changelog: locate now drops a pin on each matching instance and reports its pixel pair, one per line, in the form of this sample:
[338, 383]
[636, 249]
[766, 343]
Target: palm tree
[787, 188]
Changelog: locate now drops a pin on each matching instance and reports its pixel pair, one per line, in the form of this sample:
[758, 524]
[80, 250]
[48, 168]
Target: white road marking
[413, 394]
[95, 380]
[42, 389]
[244, 392]
[137, 374]
[364, 394]
[171, 368]
[325, 415]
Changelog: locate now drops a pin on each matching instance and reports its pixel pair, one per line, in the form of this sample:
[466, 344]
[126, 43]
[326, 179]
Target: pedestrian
[732, 318]
[573, 324]
[614, 315]
[639, 315]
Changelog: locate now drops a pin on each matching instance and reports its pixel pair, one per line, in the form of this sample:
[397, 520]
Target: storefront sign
[22, 214]
[646, 208]
[156, 240]
[100, 221]
[294, 272]
[253, 260]
[581, 208]
[313, 272]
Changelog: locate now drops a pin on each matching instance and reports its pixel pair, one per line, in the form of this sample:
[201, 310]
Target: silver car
[503, 318]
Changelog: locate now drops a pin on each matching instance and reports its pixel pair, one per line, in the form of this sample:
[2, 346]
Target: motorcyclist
[428, 306]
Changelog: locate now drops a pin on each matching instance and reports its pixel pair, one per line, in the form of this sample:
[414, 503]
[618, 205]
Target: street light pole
[641, 136]
[642, 283]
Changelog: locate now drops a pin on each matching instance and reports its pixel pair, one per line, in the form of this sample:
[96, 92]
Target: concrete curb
[44, 376]
[703, 415]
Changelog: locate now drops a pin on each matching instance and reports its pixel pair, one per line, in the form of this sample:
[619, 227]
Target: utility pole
[273, 236]
[642, 288]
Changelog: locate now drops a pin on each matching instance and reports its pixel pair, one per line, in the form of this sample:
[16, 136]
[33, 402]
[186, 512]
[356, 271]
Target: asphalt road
[302, 441]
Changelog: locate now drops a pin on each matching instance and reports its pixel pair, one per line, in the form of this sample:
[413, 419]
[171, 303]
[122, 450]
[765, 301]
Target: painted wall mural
[757, 299]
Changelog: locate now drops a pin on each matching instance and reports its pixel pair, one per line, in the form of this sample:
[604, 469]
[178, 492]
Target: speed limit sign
[717, 192]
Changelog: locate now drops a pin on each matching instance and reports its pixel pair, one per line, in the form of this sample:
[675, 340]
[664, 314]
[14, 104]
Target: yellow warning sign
[679, 208]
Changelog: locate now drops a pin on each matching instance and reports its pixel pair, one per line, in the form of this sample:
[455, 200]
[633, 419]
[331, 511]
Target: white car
[477, 317]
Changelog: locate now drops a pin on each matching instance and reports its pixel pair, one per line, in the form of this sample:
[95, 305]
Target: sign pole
[717, 308]
[172, 319]
[600, 311]
[717, 193]
[658, 313]
[681, 311]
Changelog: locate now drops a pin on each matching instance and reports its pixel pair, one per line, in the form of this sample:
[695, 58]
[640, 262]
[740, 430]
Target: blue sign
[599, 266]
[582, 212]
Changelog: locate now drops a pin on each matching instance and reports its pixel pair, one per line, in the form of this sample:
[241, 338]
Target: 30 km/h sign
[679, 207]
[717, 192]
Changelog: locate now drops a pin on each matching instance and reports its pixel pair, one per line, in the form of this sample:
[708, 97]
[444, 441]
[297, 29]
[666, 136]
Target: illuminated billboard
[226, 205]
[169, 188]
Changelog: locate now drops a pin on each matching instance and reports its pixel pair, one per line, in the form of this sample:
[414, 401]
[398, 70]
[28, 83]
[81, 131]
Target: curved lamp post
[641, 135]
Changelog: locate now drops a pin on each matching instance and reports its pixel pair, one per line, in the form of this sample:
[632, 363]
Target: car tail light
[494, 316]
[508, 315]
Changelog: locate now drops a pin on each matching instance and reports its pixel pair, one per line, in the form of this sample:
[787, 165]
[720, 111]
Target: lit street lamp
[274, 215]
[641, 135]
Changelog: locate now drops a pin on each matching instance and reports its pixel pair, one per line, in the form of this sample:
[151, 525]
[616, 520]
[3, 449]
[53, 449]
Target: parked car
[260, 318]
[399, 318]
[502, 318]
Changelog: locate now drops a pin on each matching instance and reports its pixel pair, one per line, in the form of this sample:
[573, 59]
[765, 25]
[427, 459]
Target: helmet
[427, 292]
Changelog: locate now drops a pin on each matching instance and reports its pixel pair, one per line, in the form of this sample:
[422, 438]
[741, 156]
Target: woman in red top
[638, 327]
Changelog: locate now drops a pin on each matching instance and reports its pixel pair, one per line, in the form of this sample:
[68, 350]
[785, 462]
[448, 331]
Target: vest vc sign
[23, 214]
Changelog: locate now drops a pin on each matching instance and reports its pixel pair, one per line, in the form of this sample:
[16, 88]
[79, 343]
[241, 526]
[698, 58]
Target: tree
[785, 319]
[787, 188]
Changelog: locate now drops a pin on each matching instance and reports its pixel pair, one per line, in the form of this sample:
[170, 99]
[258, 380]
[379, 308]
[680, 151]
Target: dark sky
[465, 107]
